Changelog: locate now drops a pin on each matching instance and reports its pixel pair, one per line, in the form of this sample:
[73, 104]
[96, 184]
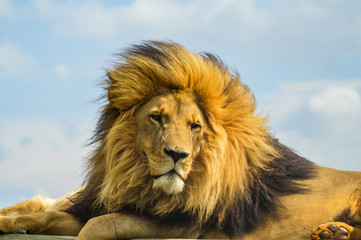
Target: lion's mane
[241, 169]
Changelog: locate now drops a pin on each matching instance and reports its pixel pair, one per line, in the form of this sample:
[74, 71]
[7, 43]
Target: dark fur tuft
[346, 217]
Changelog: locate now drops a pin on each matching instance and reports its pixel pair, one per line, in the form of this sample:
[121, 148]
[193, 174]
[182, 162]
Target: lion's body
[331, 192]
[181, 153]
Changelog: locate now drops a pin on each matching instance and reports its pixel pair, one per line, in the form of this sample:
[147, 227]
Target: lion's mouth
[170, 182]
[170, 173]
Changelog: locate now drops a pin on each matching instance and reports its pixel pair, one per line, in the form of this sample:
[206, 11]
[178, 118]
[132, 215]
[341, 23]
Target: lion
[180, 152]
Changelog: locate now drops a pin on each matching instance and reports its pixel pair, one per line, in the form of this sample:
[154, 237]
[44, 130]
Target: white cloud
[296, 32]
[335, 101]
[320, 119]
[154, 19]
[272, 25]
[15, 62]
[39, 157]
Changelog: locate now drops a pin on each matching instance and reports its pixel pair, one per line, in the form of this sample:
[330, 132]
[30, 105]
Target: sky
[301, 58]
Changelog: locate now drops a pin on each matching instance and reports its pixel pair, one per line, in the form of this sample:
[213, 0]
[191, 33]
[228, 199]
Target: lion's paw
[332, 231]
[21, 225]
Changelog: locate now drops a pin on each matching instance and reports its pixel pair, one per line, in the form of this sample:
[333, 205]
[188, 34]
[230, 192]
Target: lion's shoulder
[283, 176]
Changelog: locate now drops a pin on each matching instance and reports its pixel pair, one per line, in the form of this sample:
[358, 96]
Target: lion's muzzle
[172, 177]
[170, 182]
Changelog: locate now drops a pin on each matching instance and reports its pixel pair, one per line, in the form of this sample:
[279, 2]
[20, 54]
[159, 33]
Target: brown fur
[232, 177]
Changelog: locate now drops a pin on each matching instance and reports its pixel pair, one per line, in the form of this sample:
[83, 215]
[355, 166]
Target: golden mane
[237, 143]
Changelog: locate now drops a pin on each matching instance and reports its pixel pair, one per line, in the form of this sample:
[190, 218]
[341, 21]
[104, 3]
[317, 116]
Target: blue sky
[301, 58]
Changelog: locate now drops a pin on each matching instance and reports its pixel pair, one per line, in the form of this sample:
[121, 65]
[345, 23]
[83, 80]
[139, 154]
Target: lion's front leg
[33, 205]
[48, 223]
[123, 226]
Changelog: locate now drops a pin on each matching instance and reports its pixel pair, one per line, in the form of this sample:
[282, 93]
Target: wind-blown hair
[235, 179]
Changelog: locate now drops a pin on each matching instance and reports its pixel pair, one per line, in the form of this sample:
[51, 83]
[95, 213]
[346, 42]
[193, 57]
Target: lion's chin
[170, 183]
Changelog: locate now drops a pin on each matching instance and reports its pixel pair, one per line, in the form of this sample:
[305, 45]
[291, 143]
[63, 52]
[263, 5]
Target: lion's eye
[156, 118]
[195, 127]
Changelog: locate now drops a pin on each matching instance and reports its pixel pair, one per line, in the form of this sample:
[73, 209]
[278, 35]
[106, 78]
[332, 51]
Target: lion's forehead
[176, 106]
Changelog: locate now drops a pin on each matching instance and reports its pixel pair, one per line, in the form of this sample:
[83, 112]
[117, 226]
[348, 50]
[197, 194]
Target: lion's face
[169, 134]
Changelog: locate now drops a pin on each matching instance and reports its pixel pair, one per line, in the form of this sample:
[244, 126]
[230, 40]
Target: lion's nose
[175, 155]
